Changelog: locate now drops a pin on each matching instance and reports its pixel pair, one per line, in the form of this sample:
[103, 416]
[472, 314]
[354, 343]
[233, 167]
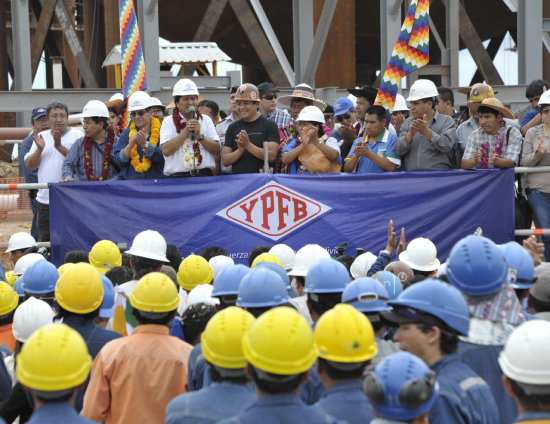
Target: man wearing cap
[366, 96]
[223, 125]
[268, 105]
[188, 138]
[91, 158]
[47, 154]
[495, 144]
[39, 123]
[344, 124]
[137, 151]
[244, 142]
[426, 139]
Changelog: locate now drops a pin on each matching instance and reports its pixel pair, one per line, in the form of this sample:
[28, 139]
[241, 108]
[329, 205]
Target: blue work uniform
[95, 338]
[464, 397]
[346, 401]
[57, 412]
[197, 370]
[210, 404]
[484, 361]
[534, 416]
[153, 153]
[380, 264]
[312, 390]
[277, 409]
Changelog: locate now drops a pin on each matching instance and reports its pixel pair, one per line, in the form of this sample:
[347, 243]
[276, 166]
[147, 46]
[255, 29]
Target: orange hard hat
[248, 92]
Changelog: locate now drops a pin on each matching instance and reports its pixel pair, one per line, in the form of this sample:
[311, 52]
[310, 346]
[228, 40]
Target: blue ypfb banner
[238, 212]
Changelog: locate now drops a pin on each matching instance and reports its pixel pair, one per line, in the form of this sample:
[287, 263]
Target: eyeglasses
[270, 96]
[545, 112]
[158, 113]
[138, 113]
[340, 118]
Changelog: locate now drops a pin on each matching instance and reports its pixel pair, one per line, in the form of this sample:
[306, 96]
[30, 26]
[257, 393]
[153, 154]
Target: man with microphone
[188, 139]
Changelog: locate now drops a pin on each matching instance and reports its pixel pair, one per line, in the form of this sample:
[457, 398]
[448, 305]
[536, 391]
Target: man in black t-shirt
[244, 138]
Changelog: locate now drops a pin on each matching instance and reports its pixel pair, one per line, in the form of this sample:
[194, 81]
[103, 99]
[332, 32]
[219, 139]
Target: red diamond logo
[273, 211]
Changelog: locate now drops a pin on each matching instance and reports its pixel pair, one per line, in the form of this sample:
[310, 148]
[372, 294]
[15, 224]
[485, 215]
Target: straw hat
[302, 91]
[495, 104]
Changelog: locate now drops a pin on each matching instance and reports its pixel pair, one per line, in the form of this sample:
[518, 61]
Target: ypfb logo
[274, 211]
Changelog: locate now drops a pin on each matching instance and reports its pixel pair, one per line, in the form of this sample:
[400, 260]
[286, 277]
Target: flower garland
[106, 157]
[189, 161]
[143, 164]
[498, 147]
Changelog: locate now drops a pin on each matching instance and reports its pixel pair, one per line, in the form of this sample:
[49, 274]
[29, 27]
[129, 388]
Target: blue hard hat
[391, 283]
[262, 288]
[227, 282]
[521, 269]
[434, 297]
[18, 287]
[476, 266]
[107, 308]
[401, 387]
[366, 295]
[327, 276]
[276, 268]
[342, 105]
[40, 278]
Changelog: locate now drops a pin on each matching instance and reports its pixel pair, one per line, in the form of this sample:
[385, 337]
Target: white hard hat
[422, 89]
[545, 98]
[31, 315]
[525, 355]
[149, 244]
[400, 103]
[139, 100]
[26, 261]
[361, 265]
[185, 87]
[95, 108]
[156, 102]
[421, 254]
[306, 257]
[218, 263]
[311, 114]
[20, 241]
[285, 254]
[202, 294]
[117, 96]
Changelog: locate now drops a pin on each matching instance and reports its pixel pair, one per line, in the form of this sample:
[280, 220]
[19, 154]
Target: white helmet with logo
[285, 254]
[311, 114]
[139, 100]
[306, 257]
[149, 244]
[421, 254]
[185, 87]
[20, 241]
[422, 89]
[95, 108]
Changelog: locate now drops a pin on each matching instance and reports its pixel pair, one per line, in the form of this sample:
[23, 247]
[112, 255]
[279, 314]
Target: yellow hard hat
[79, 289]
[266, 257]
[64, 268]
[280, 342]
[343, 334]
[54, 358]
[105, 255]
[8, 298]
[194, 271]
[222, 338]
[11, 278]
[155, 292]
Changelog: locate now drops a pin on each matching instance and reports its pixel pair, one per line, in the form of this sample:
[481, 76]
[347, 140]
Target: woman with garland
[312, 150]
[138, 152]
[91, 157]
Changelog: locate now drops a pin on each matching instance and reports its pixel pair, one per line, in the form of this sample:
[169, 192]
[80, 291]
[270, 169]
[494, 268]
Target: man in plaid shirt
[268, 105]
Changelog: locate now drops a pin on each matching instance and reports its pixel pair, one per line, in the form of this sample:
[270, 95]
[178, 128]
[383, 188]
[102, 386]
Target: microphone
[192, 115]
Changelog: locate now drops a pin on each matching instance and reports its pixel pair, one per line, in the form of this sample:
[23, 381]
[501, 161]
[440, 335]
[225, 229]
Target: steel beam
[209, 20]
[148, 21]
[546, 25]
[453, 40]
[546, 41]
[390, 25]
[274, 41]
[302, 25]
[529, 40]
[492, 49]
[319, 41]
[41, 32]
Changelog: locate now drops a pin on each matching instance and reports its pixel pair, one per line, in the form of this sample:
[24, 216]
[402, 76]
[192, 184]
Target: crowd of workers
[295, 337]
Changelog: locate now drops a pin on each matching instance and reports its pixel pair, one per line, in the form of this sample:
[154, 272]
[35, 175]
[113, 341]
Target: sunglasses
[138, 113]
[270, 96]
[340, 118]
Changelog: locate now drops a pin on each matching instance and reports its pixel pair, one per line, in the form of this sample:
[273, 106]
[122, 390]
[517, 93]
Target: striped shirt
[73, 165]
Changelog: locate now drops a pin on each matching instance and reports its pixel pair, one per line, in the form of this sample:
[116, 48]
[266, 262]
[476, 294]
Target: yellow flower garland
[143, 165]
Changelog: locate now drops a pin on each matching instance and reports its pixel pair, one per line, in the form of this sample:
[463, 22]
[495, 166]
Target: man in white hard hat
[17, 244]
[188, 138]
[157, 110]
[426, 138]
[399, 113]
[91, 158]
[137, 151]
[421, 256]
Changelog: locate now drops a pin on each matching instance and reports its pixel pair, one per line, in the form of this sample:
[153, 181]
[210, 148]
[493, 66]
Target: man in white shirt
[222, 126]
[188, 139]
[47, 154]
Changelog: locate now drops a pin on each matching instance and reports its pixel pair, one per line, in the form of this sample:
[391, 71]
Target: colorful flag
[134, 77]
[411, 52]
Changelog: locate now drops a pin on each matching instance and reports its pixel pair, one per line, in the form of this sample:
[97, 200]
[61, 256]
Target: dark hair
[256, 312]
[211, 104]
[375, 319]
[320, 131]
[119, 275]
[535, 402]
[63, 313]
[143, 266]
[76, 256]
[336, 374]
[536, 88]
[194, 320]
[126, 260]
[346, 260]
[380, 112]
[446, 95]
[174, 256]
[537, 305]
[223, 115]
[322, 302]
[301, 99]
[256, 251]
[57, 396]
[448, 341]
[226, 301]
[56, 105]
[299, 280]
[211, 251]
[164, 318]
[98, 119]
[7, 318]
[177, 98]
[485, 109]
[275, 383]
[218, 374]
[430, 99]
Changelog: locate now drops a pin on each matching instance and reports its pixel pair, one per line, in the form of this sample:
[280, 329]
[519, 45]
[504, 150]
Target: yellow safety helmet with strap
[194, 271]
[343, 334]
[105, 255]
[156, 293]
[222, 338]
[79, 289]
[266, 257]
[11, 278]
[280, 342]
[54, 358]
[8, 298]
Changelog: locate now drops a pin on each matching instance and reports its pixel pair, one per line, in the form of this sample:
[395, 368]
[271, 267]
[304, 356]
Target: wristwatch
[200, 137]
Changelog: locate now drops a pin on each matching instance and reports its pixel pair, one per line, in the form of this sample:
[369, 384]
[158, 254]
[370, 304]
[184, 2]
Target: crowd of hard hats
[293, 337]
